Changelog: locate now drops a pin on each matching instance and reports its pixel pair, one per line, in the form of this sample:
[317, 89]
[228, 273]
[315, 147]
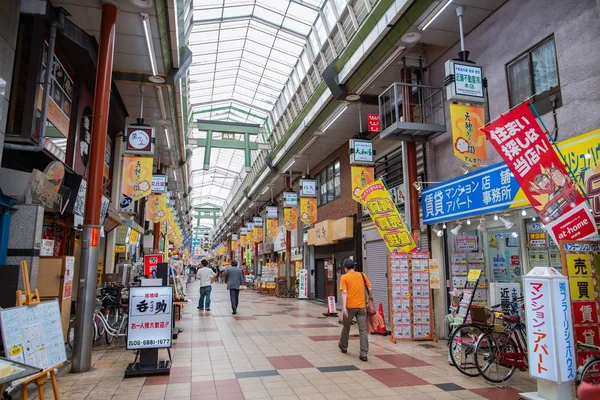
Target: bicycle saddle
[511, 319]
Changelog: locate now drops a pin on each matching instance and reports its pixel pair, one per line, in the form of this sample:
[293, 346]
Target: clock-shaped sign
[139, 140]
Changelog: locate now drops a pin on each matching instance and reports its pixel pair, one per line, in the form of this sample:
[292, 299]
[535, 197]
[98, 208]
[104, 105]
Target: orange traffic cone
[331, 312]
[381, 329]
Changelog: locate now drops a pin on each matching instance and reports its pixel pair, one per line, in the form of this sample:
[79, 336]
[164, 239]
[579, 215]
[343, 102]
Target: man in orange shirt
[352, 286]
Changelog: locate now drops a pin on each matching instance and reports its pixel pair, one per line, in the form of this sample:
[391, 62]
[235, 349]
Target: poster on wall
[469, 143]
[61, 95]
[68, 279]
[542, 175]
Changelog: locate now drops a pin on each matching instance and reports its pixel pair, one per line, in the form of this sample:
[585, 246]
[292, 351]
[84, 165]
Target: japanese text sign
[271, 226]
[373, 122]
[537, 240]
[544, 178]
[361, 152]
[308, 188]
[290, 199]
[137, 177]
[468, 141]
[468, 80]
[257, 234]
[550, 329]
[308, 210]
[290, 218]
[385, 215]
[151, 261]
[361, 177]
[272, 212]
[150, 317]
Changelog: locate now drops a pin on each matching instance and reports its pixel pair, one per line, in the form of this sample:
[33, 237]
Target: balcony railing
[411, 112]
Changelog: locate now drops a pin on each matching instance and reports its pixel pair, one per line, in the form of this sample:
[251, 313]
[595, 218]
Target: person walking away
[352, 286]
[206, 276]
[234, 278]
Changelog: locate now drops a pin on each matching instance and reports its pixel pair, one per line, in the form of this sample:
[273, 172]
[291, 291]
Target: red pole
[156, 244]
[86, 296]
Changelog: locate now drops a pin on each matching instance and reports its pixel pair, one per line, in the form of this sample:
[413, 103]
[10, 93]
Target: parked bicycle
[500, 351]
[588, 375]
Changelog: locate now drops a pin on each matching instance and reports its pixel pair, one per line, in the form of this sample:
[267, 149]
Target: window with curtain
[328, 182]
[534, 73]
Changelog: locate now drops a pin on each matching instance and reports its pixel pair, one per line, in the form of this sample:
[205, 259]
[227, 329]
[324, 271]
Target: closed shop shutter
[376, 269]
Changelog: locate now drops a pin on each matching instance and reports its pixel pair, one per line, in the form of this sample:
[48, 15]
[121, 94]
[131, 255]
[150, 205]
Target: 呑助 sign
[150, 318]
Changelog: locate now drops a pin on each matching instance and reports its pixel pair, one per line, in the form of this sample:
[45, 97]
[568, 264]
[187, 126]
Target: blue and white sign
[488, 190]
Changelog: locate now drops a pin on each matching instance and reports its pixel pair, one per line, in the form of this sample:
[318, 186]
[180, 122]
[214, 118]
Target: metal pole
[288, 242]
[360, 125]
[86, 297]
[459, 14]
[156, 244]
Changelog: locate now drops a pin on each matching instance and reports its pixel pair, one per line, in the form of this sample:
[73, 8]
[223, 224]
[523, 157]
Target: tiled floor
[271, 352]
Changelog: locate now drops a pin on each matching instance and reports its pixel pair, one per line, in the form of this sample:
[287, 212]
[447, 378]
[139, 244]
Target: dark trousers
[234, 295]
[205, 296]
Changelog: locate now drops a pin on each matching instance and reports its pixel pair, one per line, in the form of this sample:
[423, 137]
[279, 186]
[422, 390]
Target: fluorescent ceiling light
[332, 120]
[148, 34]
[310, 142]
[288, 165]
[175, 175]
[167, 137]
[434, 14]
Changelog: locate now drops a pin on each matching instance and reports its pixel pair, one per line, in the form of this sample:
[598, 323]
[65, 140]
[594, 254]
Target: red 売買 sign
[151, 261]
[373, 122]
[525, 147]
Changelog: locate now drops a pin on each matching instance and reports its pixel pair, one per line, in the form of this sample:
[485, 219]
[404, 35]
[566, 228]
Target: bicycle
[462, 340]
[500, 351]
[588, 375]
[101, 327]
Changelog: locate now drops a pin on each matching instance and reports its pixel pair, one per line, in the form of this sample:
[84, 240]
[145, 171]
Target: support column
[288, 243]
[207, 150]
[156, 242]
[86, 297]
[24, 240]
[247, 158]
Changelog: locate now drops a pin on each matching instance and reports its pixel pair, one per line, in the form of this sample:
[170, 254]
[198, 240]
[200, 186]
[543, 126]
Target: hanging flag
[378, 202]
[243, 240]
[290, 218]
[308, 210]
[361, 177]
[257, 234]
[137, 177]
[540, 171]
[156, 208]
[468, 141]
[271, 225]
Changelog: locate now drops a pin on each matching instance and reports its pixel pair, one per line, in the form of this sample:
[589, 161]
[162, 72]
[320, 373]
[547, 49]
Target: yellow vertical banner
[290, 218]
[156, 208]
[137, 177]
[468, 141]
[308, 210]
[271, 226]
[361, 177]
[243, 240]
[257, 234]
[378, 202]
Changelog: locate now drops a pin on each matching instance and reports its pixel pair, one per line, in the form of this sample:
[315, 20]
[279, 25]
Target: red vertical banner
[373, 122]
[525, 147]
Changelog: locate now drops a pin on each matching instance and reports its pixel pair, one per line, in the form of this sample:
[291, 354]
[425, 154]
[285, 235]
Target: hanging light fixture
[468, 222]
[444, 225]
[438, 232]
[495, 217]
[481, 226]
[524, 213]
[514, 235]
[507, 224]
[456, 229]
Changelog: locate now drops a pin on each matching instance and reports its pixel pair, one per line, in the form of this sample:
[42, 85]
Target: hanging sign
[150, 318]
[159, 183]
[139, 140]
[250, 227]
[541, 173]
[467, 82]
[272, 212]
[361, 177]
[308, 210]
[362, 152]
[242, 240]
[243, 231]
[290, 218]
[290, 199]
[271, 226]
[303, 284]
[257, 221]
[137, 177]
[468, 141]
[234, 237]
[61, 96]
[373, 122]
[156, 208]
[257, 234]
[385, 215]
[308, 188]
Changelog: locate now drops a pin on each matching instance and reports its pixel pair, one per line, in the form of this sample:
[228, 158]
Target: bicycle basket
[481, 315]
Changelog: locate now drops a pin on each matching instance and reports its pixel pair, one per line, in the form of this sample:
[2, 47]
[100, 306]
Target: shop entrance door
[320, 280]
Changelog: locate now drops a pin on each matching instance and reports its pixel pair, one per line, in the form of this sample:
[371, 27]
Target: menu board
[410, 297]
[33, 334]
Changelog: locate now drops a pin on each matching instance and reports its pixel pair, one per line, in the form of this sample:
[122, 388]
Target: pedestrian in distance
[234, 278]
[206, 276]
[354, 304]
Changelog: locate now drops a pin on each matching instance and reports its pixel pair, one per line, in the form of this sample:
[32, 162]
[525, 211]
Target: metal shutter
[376, 269]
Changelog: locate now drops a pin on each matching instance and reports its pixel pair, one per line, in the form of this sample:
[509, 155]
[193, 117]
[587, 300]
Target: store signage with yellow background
[156, 208]
[243, 240]
[271, 226]
[390, 224]
[308, 210]
[257, 234]
[290, 218]
[468, 141]
[137, 177]
[361, 177]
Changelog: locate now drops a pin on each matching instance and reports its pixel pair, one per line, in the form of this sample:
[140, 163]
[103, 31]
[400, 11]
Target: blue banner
[490, 189]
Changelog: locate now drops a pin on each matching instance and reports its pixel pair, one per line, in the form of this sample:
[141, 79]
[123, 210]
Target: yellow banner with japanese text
[468, 141]
[290, 218]
[243, 240]
[308, 210]
[156, 208]
[271, 226]
[257, 234]
[378, 202]
[361, 177]
[137, 177]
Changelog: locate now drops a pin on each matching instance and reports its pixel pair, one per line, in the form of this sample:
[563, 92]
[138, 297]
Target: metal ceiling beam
[222, 144]
[226, 127]
[257, 19]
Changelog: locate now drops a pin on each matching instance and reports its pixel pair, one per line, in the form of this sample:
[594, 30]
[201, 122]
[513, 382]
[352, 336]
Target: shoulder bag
[368, 300]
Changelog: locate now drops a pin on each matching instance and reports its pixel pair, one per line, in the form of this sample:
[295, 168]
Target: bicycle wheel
[98, 328]
[71, 335]
[590, 372]
[488, 352]
[461, 345]
[112, 317]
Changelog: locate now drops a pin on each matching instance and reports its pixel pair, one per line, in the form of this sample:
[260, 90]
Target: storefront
[484, 221]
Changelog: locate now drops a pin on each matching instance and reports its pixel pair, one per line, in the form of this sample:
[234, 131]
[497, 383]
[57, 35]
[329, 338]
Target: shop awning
[112, 219]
